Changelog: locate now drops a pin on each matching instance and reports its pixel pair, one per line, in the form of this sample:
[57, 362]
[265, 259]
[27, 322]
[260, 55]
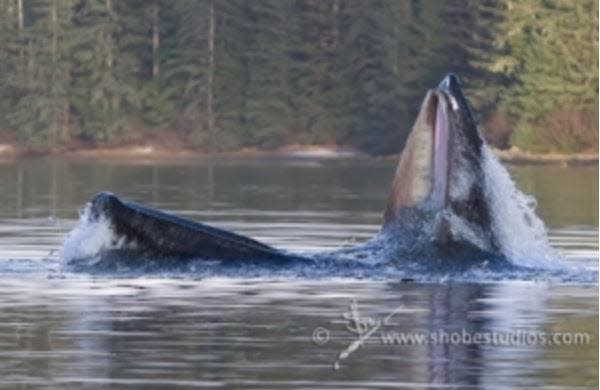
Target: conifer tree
[42, 112]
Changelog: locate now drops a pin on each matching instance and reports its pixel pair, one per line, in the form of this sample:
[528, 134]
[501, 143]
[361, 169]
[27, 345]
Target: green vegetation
[225, 74]
[549, 54]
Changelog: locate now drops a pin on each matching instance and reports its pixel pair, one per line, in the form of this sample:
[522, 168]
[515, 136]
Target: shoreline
[516, 156]
[153, 152]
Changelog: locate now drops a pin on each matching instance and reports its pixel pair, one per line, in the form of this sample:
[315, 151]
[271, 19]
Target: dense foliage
[224, 74]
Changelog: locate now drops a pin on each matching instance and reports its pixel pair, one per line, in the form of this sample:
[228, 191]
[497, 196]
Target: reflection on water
[566, 196]
[65, 331]
[253, 333]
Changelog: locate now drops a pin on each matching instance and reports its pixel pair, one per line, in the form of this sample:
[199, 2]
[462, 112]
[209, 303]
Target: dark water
[61, 330]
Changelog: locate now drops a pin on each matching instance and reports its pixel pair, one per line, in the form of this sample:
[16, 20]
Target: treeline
[225, 74]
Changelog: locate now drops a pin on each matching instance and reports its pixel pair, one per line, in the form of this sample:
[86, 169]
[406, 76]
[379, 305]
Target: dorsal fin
[413, 178]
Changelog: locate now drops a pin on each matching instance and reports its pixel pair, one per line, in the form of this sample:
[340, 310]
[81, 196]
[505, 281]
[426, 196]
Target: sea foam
[89, 237]
[521, 234]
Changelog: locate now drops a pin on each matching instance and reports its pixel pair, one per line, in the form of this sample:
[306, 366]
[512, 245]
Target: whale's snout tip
[101, 203]
[450, 83]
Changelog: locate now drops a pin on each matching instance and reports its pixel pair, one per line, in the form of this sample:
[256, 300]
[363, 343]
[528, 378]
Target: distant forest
[225, 74]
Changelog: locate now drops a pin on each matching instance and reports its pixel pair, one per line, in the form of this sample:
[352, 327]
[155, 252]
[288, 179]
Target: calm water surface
[60, 330]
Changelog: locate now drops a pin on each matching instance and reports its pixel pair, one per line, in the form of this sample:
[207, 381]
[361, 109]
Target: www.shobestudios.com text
[463, 337]
[484, 338]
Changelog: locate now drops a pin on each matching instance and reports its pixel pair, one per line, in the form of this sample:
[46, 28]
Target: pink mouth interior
[440, 154]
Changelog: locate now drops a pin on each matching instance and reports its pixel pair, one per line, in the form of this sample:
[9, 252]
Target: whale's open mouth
[423, 172]
[441, 171]
[441, 145]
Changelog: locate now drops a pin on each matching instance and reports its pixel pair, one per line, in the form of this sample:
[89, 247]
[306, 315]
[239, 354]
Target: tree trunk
[335, 25]
[111, 51]
[54, 43]
[21, 24]
[210, 79]
[21, 21]
[30, 65]
[54, 22]
[109, 55]
[155, 41]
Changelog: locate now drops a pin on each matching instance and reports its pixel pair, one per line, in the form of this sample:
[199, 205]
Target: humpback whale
[437, 212]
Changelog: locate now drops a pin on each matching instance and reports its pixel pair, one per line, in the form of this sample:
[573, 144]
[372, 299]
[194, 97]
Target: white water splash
[89, 237]
[521, 234]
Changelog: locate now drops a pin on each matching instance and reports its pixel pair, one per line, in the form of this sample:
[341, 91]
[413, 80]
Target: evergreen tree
[550, 52]
[370, 54]
[42, 113]
[229, 69]
[265, 114]
[224, 74]
[188, 68]
[154, 25]
[11, 59]
[314, 83]
[103, 88]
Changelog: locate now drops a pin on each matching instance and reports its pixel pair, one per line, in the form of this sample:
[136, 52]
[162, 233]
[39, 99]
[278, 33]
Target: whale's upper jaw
[465, 124]
[440, 169]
